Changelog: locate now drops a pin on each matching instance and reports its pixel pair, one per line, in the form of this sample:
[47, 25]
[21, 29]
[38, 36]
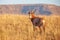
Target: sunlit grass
[19, 27]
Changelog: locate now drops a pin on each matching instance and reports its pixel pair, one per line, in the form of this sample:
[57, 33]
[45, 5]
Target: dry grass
[19, 27]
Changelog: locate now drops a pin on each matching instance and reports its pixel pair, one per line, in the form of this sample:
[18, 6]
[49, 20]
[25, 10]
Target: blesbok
[37, 21]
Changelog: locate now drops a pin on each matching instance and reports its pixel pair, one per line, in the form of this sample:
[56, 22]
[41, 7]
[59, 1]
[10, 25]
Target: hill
[43, 9]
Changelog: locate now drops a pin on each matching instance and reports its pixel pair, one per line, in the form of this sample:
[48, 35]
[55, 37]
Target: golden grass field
[19, 27]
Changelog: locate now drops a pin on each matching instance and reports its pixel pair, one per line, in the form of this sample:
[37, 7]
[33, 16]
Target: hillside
[44, 9]
[19, 27]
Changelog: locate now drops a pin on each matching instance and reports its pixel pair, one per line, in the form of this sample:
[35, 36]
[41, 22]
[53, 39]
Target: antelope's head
[31, 14]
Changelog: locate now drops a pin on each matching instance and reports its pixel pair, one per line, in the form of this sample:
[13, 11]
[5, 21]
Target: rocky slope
[43, 9]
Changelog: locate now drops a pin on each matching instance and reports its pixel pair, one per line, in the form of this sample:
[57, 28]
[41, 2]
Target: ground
[19, 27]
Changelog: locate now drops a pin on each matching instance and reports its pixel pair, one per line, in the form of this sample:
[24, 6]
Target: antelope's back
[37, 21]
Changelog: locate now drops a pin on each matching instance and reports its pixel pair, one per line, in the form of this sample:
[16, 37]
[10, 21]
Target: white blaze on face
[30, 16]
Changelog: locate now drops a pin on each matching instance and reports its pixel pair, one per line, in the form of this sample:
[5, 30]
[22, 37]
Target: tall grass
[19, 27]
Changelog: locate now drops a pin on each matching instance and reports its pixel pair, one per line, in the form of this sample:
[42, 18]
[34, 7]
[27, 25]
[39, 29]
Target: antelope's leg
[44, 23]
[44, 28]
[40, 29]
[35, 28]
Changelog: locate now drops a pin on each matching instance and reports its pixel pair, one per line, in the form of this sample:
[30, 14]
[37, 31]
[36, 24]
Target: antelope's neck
[33, 15]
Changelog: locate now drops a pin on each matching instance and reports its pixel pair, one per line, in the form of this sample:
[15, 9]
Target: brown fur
[40, 21]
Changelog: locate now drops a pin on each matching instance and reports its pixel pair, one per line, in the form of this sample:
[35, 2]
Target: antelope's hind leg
[43, 28]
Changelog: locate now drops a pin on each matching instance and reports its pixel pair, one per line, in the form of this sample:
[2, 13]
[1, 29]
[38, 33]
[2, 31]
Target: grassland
[19, 27]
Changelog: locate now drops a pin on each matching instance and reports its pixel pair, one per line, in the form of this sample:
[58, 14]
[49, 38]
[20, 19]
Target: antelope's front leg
[40, 29]
[33, 28]
[44, 28]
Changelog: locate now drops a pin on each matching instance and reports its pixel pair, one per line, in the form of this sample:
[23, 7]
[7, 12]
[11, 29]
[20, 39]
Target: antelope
[37, 21]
